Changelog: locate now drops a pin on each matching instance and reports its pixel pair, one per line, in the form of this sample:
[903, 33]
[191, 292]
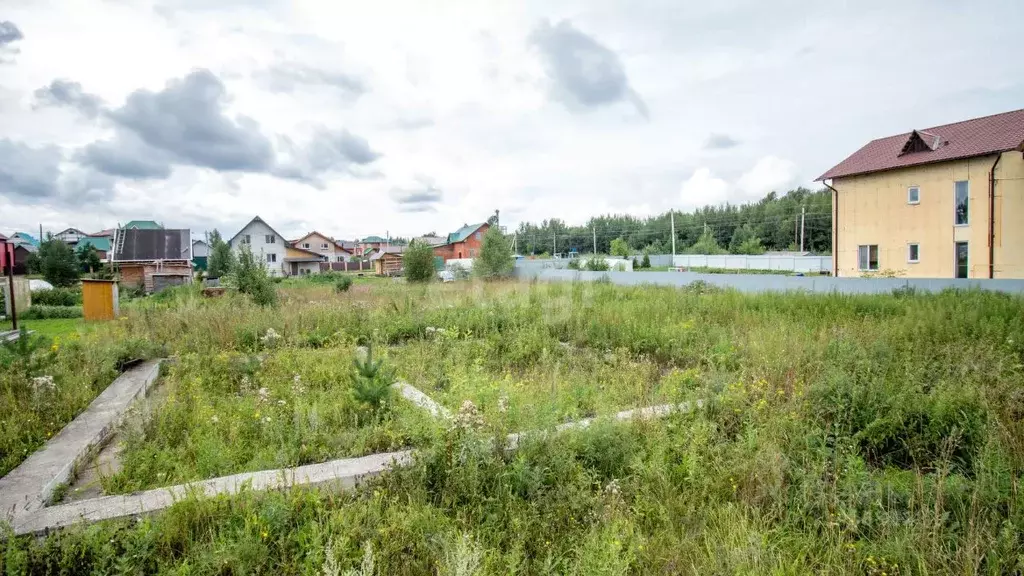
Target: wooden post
[9, 248]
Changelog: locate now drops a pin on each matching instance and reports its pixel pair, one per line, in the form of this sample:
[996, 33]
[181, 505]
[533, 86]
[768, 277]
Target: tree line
[773, 223]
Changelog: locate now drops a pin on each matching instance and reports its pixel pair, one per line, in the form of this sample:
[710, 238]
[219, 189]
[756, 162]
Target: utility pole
[594, 230]
[554, 243]
[672, 220]
[9, 261]
[802, 211]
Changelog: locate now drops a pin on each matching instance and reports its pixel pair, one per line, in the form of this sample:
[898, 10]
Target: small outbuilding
[99, 299]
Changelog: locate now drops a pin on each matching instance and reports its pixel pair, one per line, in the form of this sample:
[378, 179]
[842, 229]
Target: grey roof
[231, 241]
[146, 245]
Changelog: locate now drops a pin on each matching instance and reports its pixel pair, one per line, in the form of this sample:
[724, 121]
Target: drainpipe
[992, 217]
[835, 229]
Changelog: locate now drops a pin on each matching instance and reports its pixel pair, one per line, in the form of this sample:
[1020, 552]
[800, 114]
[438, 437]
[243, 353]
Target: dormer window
[921, 141]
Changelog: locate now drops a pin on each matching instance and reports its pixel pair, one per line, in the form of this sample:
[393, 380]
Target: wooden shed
[99, 299]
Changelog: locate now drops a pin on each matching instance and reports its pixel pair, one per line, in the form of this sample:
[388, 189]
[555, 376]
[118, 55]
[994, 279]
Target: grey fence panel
[753, 283]
[807, 264]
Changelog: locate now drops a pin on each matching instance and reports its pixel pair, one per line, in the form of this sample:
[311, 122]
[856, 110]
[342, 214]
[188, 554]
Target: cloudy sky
[357, 118]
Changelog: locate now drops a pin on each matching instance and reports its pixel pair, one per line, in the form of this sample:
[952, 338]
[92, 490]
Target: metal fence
[563, 263]
[356, 265]
[775, 283]
[787, 263]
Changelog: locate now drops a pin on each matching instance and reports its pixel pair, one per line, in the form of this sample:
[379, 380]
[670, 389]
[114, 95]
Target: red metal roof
[977, 137]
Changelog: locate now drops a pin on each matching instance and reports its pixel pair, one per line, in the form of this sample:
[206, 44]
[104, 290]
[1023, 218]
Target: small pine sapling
[373, 381]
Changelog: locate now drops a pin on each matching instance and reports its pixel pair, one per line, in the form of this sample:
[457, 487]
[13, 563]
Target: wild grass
[842, 434]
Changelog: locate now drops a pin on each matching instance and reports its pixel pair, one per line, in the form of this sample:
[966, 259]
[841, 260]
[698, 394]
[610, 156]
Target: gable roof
[26, 237]
[104, 232]
[262, 221]
[317, 254]
[315, 233]
[373, 239]
[101, 243]
[464, 232]
[145, 245]
[389, 251]
[142, 225]
[977, 137]
[75, 230]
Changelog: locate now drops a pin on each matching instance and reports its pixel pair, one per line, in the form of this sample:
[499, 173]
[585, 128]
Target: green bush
[343, 284]
[495, 259]
[418, 262]
[58, 297]
[58, 263]
[646, 262]
[250, 277]
[36, 312]
[596, 264]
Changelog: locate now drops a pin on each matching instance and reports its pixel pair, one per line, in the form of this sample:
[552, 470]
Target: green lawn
[50, 328]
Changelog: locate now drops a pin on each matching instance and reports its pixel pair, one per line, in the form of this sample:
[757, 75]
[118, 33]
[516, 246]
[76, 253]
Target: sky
[409, 117]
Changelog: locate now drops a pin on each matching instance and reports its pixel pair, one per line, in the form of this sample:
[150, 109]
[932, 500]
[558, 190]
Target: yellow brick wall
[873, 209]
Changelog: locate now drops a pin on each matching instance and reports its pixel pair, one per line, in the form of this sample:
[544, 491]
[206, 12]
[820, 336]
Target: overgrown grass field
[840, 434]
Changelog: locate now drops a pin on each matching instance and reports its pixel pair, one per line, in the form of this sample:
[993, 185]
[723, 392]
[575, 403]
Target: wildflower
[281, 402]
[612, 488]
[270, 338]
[264, 394]
[43, 383]
[264, 534]
[503, 403]
[214, 419]
[297, 387]
[266, 419]
[468, 417]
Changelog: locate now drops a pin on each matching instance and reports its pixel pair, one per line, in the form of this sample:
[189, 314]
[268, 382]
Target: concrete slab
[341, 474]
[12, 335]
[30, 486]
[417, 397]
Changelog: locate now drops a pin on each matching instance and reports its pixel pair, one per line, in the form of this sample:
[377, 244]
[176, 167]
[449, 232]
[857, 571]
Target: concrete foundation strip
[24, 501]
[30, 486]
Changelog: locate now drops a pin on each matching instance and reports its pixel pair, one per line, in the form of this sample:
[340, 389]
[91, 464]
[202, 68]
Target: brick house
[153, 259]
[463, 243]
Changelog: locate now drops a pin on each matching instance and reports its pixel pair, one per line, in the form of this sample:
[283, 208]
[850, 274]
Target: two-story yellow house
[942, 202]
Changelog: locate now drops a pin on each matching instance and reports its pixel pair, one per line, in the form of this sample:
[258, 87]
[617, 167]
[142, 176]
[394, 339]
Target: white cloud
[770, 173]
[702, 189]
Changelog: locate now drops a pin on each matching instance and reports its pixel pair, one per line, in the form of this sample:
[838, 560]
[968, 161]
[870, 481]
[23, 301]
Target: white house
[70, 235]
[200, 249]
[265, 243]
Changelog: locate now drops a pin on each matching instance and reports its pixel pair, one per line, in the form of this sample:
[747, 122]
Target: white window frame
[271, 258]
[910, 259]
[323, 246]
[968, 222]
[339, 258]
[911, 201]
[868, 268]
[305, 245]
[269, 239]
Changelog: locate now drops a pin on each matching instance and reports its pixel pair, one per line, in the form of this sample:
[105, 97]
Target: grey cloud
[9, 33]
[66, 93]
[27, 173]
[328, 151]
[584, 72]
[720, 142]
[288, 77]
[128, 159]
[419, 199]
[187, 120]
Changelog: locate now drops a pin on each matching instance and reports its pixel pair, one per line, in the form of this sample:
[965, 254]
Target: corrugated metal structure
[153, 258]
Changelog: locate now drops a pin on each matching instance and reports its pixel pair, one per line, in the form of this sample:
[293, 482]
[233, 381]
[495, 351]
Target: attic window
[920, 141]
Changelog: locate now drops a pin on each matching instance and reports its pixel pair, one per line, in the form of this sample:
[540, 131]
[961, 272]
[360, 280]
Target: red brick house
[463, 243]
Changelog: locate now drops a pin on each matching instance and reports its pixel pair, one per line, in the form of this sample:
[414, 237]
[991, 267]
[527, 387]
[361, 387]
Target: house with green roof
[142, 225]
[101, 244]
[369, 245]
[463, 243]
[24, 238]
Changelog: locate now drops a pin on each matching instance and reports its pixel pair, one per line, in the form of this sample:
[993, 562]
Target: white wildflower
[468, 417]
[612, 488]
[264, 395]
[43, 383]
[281, 402]
[266, 419]
[503, 403]
[214, 419]
[297, 387]
[270, 338]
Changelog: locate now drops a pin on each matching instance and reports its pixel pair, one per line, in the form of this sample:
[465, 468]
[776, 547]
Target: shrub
[573, 264]
[596, 264]
[418, 262]
[251, 278]
[58, 297]
[343, 284]
[495, 259]
[646, 262]
[619, 247]
[222, 259]
[35, 312]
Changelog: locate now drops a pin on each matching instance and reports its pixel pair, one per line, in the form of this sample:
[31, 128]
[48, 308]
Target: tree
[745, 241]
[619, 247]
[222, 258]
[418, 262]
[58, 263]
[495, 259]
[250, 277]
[87, 258]
[646, 263]
[706, 244]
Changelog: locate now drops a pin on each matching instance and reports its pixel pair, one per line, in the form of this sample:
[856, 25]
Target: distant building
[943, 202]
[463, 243]
[100, 244]
[153, 259]
[200, 254]
[264, 242]
[331, 249]
[70, 235]
[388, 260]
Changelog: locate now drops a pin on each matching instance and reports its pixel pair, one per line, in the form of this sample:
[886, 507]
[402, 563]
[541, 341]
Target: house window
[246, 239]
[961, 260]
[306, 245]
[913, 195]
[270, 239]
[913, 253]
[477, 235]
[867, 257]
[323, 246]
[960, 199]
[271, 258]
[339, 258]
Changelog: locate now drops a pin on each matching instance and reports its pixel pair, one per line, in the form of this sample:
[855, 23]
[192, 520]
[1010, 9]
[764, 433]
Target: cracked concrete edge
[417, 397]
[342, 474]
[31, 485]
